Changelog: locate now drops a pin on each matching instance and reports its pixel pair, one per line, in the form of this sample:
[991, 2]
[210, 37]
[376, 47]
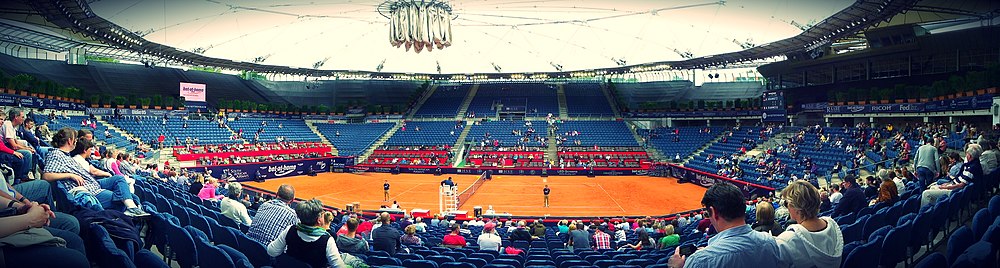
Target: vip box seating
[586, 99]
[409, 157]
[619, 157]
[537, 99]
[149, 128]
[188, 153]
[353, 139]
[445, 101]
[294, 130]
[691, 138]
[514, 159]
[426, 134]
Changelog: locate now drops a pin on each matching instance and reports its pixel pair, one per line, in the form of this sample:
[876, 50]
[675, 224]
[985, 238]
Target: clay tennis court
[517, 195]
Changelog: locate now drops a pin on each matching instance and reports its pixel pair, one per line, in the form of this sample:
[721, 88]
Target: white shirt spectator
[489, 241]
[235, 210]
[835, 197]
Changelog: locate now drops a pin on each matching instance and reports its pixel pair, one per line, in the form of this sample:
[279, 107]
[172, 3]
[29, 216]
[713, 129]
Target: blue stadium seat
[285, 260]
[440, 259]
[182, 246]
[479, 263]
[934, 260]
[240, 260]
[960, 240]
[107, 254]
[895, 245]
[994, 206]
[608, 263]
[980, 254]
[864, 256]
[980, 222]
[380, 261]
[412, 263]
[457, 265]
[147, 259]
[208, 255]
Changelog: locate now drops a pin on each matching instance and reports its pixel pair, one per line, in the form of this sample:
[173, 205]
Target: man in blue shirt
[736, 244]
[386, 188]
[546, 191]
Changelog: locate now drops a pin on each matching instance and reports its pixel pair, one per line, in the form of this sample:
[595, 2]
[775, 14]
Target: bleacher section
[538, 99]
[503, 131]
[426, 134]
[353, 139]
[117, 139]
[692, 138]
[586, 99]
[740, 139]
[149, 128]
[600, 133]
[445, 101]
[294, 130]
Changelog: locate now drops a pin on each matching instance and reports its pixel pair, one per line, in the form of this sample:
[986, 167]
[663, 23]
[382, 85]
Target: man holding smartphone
[736, 244]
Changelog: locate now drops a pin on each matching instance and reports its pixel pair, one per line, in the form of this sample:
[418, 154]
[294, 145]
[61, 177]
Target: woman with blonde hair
[669, 239]
[409, 236]
[814, 241]
[765, 219]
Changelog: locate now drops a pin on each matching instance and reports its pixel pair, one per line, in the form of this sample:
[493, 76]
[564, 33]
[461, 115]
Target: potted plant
[168, 103]
[106, 101]
[157, 101]
[144, 102]
[95, 101]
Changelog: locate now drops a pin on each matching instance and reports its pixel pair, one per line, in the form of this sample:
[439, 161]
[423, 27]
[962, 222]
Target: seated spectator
[308, 240]
[853, 200]
[453, 239]
[643, 241]
[208, 191]
[420, 225]
[765, 219]
[351, 242]
[669, 239]
[489, 240]
[196, 184]
[73, 178]
[8, 134]
[273, 216]
[814, 241]
[562, 226]
[871, 191]
[887, 193]
[386, 237]
[409, 237]
[521, 233]
[578, 238]
[971, 170]
[537, 229]
[601, 238]
[49, 249]
[231, 206]
[736, 244]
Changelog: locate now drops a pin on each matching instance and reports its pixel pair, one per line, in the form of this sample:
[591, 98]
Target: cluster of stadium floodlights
[418, 24]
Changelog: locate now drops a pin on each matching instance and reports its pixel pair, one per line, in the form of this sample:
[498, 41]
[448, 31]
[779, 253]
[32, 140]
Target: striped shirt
[272, 218]
[58, 161]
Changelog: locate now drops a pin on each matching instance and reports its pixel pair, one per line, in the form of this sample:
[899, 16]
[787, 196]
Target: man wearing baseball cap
[489, 240]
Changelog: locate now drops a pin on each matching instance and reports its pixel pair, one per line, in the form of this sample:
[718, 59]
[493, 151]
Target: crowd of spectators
[232, 160]
[240, 147]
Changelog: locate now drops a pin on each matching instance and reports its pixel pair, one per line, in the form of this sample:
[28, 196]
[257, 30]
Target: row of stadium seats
[586, 99]
[445, 101]
[353, 139]
[291, 129]
[537, 99]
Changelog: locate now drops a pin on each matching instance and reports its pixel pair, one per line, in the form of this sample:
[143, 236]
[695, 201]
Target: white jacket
[799, 247]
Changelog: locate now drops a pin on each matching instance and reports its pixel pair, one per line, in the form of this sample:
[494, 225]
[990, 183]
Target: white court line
[612, 198]
[407, 190]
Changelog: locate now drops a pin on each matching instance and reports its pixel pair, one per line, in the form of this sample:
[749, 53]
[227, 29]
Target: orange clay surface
[517, 195]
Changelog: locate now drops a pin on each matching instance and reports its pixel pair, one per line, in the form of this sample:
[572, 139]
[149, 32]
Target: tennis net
[465, 195]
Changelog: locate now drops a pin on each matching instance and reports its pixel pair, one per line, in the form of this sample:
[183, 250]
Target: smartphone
[687, 250]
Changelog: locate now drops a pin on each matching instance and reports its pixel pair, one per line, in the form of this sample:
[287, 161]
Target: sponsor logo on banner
[855, 108]
[237, 173]
[281, 170]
